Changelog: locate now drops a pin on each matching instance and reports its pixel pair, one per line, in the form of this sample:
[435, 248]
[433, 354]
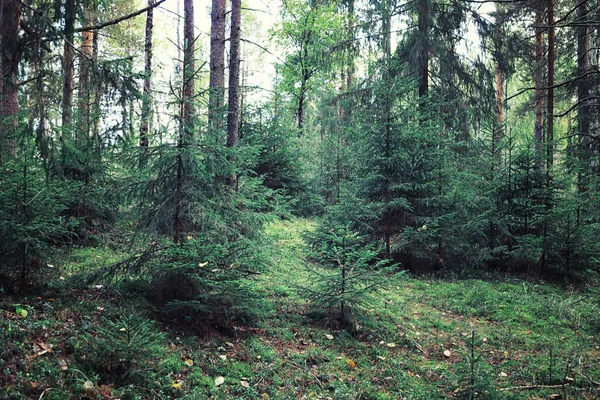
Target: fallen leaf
[329, 337]
[350, 363]
[63, 365]
[122, 329]
[176, 384]
[264, 396]
[391, 345]
[223, 357]
[244, 384]
[189, 362]
[503, 374]
[87, 385]
[447, 353]
[219, 380]
[229, 344]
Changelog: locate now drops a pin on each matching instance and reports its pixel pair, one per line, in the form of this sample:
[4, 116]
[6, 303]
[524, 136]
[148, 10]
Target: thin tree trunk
[9, 95]
[539, 95]
[423, 25]
[551, 60]
[234, 74]
[216, 96]
[186, 131]
[68, 68]
[147, 98]
[233, 115]
[86, 56]
[583, 88]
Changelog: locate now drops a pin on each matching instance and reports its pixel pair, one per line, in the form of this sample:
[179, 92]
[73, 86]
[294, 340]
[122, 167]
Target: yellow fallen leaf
[88, 385]
[189, 362]
[176, 384]
[350, 363]
[329, 337]
[264, 396]
[219, 380]
[244, 384]
[122, 329]
[391, 345]
[447, 353]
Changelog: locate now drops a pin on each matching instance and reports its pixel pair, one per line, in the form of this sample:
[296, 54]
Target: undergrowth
[417, 339]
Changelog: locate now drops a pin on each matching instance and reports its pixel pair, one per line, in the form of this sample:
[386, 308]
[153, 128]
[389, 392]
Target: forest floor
[420, 339]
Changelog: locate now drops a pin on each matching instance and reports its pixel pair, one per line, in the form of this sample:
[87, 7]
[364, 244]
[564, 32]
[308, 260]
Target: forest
[299, 199]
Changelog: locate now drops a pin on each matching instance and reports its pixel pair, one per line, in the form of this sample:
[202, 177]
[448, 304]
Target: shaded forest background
[459, 138]
[172, 216]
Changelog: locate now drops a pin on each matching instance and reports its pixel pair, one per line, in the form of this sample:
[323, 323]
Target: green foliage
[33, 218]
[349, 273]
[207, 282]
[121, 352]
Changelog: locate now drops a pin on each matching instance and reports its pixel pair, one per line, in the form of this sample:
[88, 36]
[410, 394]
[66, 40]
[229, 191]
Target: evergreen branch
[118, 20]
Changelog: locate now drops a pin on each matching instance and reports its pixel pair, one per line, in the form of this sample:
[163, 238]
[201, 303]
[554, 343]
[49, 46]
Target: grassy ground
[420, 339]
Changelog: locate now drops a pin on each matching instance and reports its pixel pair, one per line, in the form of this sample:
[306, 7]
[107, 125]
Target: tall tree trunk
[186, 130]
[423, 25]
[86, 57]
[68, 69]
[583, 87]
[550, 105]
[9, 95]
[216, 95]
[233, 115]
[539, 92]
[234, 74]
[147, 98]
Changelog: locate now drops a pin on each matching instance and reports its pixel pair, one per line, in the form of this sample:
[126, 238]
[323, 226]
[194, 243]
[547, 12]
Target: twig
[532, 387]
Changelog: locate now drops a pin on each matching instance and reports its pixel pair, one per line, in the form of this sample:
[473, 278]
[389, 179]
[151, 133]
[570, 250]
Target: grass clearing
[421, 339]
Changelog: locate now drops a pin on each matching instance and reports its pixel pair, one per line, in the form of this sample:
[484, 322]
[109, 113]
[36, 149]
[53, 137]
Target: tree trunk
[216, 96]
[67, 92]
[539, 93]
[551, 60]
[423, 25]
[147, 98]
[234, 74]
[9, 94]
[186, 130]
[86, 57]
[583, 87]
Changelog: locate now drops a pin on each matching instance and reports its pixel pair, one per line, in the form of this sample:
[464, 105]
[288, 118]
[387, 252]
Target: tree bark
[68, 69]
[86, 57]
[234, 74]
[216, 96]
[186, 130]
[551, 60]
[539, 94]
[583, 67]
[423, 25]
[147, 97]
[9, 93]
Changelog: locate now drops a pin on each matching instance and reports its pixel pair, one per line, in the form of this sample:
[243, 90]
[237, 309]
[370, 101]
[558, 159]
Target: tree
[10, 21]
[233, 115]
[186, 130]
[217, 64]
[146, 115]
[68, 66]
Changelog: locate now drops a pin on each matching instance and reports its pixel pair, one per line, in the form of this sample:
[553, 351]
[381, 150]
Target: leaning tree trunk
[9, 94]
[147, 98]
[216, 94]
[186, 131]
